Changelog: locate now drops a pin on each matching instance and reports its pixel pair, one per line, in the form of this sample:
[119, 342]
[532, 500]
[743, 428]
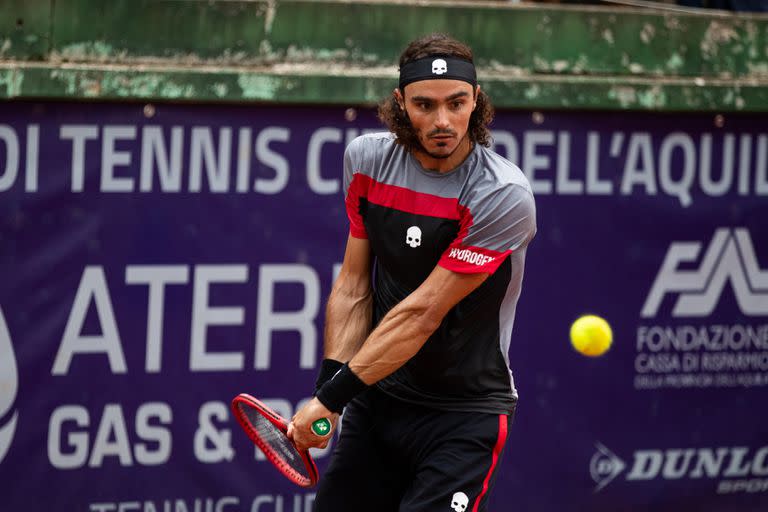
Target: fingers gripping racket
[268, 430]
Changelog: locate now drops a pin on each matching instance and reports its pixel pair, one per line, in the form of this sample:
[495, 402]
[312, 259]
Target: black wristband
[340, 390]
[328, 369]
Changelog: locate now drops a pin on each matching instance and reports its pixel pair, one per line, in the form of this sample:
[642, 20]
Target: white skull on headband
[439, 67]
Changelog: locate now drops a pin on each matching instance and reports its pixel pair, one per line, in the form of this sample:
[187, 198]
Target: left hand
[299, 430]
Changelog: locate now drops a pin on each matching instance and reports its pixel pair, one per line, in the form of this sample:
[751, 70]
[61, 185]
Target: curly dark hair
[397, 120]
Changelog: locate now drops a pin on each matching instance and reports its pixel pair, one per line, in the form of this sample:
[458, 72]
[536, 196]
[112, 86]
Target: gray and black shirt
[478, 217]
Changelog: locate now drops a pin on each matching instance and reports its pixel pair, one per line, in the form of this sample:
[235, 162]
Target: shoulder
[370, 145]
[375, 155]
[495, 176]
[500, 203]
[503, 172]
[365, 154]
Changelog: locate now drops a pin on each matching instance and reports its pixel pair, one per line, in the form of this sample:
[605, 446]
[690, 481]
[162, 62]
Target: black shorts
[394, 456]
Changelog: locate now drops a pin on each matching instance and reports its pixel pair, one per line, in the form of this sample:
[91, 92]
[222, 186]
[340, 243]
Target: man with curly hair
[419, 321]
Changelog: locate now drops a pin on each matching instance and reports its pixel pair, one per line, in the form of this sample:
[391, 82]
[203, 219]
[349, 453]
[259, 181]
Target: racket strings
[276, 441]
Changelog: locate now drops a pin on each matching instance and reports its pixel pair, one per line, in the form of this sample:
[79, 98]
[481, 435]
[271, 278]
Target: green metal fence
[345, 52]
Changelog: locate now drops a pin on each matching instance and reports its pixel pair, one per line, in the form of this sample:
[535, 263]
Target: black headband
[435, 67]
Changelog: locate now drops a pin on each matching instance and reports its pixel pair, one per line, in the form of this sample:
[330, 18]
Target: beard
[441, 156]
[437, 156]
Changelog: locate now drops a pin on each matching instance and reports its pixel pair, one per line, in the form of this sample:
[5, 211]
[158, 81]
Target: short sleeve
[491, 228]
[355, 189]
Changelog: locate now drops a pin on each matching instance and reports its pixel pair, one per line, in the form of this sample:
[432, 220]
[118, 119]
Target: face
[439, 111]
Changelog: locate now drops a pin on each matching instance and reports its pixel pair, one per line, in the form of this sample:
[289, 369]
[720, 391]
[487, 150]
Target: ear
[399, 97]
[477, 93]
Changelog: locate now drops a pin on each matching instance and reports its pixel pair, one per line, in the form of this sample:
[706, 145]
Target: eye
[456, 105]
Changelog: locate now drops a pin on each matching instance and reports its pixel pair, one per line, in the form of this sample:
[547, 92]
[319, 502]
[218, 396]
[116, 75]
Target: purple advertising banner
[157, 260]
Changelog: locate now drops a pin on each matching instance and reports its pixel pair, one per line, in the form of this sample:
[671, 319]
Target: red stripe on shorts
[496, 453]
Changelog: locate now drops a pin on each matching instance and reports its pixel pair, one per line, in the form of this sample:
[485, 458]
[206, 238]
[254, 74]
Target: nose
[441, 118]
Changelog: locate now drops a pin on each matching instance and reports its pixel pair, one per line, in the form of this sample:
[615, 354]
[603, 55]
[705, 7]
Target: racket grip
[321, 427]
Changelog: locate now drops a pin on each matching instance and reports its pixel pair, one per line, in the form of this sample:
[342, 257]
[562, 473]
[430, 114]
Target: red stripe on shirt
[494, 459]
[467, 259]
[398, 198]
[410, 201]
[357, 188]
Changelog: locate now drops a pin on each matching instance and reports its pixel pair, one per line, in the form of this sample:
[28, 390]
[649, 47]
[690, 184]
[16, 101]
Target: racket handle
[321, 427]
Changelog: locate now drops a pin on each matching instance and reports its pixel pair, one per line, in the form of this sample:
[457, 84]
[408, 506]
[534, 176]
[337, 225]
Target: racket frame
[271, 455]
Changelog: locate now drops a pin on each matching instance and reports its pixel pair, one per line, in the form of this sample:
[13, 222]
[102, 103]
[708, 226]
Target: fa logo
[9, 383]
[729, 257]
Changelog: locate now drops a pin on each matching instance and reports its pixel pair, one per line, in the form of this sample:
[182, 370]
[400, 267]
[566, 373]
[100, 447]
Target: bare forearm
[397, 338]
[347, 321]
[399, 335]
[407, 326]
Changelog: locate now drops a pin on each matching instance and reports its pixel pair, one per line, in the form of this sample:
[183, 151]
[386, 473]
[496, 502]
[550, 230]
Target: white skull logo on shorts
[413, 236]
[439, 67]
[459, 502]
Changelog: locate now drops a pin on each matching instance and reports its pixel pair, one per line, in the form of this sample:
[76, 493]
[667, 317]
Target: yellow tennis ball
[591, 335]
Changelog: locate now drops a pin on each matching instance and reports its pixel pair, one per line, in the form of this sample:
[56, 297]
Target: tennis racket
[268, 430]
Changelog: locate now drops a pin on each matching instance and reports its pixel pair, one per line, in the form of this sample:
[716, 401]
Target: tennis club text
[134, 158]
[259, 503]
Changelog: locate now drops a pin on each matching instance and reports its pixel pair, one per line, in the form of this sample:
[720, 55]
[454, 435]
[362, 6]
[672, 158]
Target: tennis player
[419, 321]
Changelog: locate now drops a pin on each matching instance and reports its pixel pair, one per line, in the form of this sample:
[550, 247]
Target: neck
[447, 164]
